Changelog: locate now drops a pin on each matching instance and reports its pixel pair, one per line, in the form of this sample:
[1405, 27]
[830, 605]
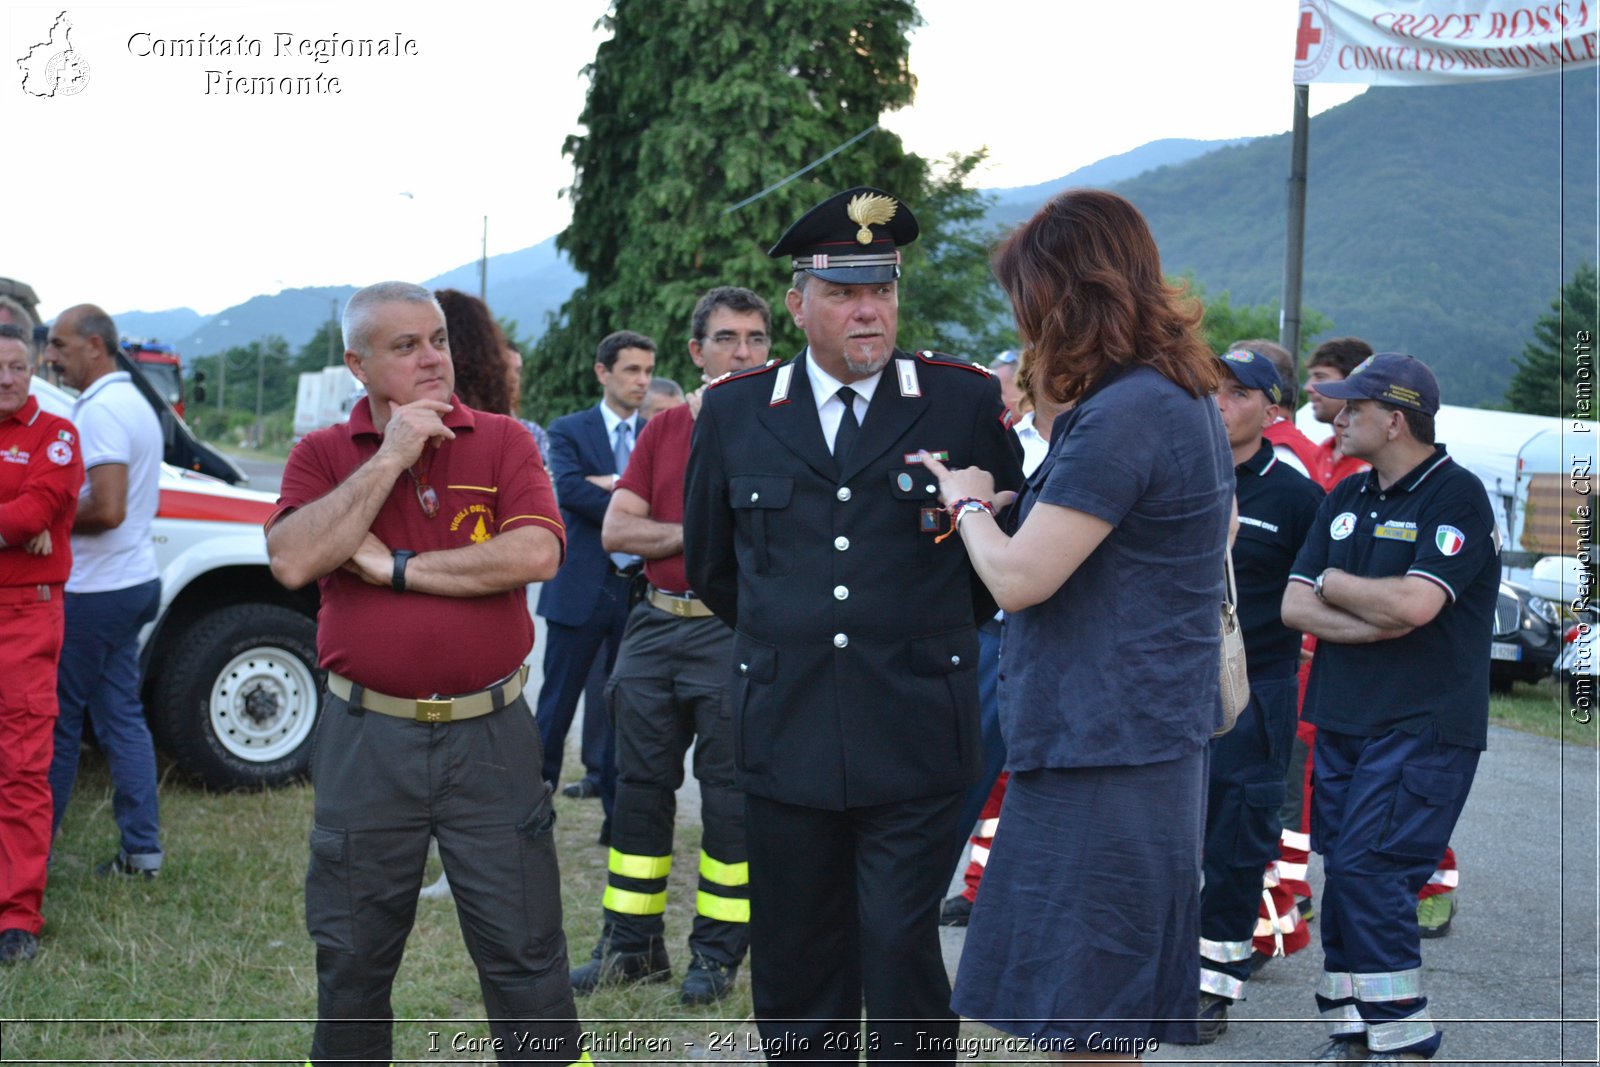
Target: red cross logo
[1305, 37]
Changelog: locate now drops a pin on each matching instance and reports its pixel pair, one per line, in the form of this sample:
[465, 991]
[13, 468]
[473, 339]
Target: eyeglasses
[729, 339]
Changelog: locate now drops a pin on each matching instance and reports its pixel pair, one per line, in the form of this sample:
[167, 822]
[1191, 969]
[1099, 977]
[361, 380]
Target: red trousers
[983, 837]
[30, 647]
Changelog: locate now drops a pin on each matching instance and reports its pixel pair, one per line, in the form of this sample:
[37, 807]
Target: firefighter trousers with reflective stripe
[669, 690]
[1383, 810]
[1243, 800]
[384, 787]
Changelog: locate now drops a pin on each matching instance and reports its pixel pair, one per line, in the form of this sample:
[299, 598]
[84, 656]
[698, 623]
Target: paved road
[1515, 979]
[265, 474]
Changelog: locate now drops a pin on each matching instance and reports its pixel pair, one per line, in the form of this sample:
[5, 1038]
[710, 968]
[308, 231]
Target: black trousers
[669, 690]
[384, 787]
[1245, 796]
[844, 909]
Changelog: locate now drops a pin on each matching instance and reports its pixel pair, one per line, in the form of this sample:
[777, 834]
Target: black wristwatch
[398, 581]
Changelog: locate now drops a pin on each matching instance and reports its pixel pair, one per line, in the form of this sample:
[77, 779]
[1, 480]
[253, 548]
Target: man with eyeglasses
[421, 520]
[670, 689]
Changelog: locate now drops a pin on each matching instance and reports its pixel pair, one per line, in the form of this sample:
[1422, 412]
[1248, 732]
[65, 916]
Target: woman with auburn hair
[478, 351]
[1112, 578]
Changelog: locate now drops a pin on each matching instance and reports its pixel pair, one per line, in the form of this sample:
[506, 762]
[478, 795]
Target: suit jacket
[579, 446]
[855, 645]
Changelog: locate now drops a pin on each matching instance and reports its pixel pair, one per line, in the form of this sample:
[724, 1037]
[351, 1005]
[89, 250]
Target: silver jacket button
[841, 592]
[841, 543]
[840, 640]
[843, 493]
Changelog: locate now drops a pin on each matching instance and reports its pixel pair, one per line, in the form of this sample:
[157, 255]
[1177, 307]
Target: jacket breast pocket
[754, 498]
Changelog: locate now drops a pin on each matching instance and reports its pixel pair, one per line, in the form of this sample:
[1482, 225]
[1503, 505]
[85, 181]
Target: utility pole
[261, 378]
[333, 324]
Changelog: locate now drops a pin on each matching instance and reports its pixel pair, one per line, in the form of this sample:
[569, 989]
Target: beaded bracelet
[965, 506]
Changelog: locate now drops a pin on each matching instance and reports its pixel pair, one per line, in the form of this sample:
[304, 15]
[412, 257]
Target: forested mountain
[1440, 221]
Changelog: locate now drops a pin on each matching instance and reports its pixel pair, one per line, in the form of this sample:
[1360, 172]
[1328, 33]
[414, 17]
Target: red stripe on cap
[204, 507]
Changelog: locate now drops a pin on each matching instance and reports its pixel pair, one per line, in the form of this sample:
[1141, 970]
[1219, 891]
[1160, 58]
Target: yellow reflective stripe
[627, 902]
[639, 866]
[723, 909]
[724, 873]
[581, 1059]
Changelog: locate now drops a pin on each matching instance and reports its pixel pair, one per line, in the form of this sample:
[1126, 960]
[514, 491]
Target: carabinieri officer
[1398, 580]
[811, 528]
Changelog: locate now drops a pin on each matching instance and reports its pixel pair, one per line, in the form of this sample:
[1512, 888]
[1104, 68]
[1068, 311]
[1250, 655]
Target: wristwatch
[1316, 586]
[402, 555]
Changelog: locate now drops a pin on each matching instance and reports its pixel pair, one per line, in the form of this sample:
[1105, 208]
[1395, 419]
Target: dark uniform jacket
[855, 647]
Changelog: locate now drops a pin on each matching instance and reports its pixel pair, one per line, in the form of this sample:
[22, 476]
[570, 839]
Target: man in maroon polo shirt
[41, 471]
[669, 689]
[422, 520]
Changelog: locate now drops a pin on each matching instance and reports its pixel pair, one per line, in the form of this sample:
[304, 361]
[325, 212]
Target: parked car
[1527, 637]
[230, 679]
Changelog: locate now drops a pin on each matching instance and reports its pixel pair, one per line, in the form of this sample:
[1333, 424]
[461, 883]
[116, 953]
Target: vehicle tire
[238, 694]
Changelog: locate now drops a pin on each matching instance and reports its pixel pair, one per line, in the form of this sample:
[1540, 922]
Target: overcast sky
[145, 191]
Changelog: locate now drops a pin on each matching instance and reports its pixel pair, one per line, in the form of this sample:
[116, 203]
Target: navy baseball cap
[1254, 371]
[852, 238]
[1390, 378]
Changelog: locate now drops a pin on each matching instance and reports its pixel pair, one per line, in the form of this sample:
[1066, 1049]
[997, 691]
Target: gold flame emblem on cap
[870, 209]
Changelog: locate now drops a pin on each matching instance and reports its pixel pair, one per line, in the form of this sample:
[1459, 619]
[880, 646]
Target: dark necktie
[849, 428]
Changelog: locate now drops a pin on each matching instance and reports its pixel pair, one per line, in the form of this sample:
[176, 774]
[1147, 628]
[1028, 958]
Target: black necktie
[848, 426]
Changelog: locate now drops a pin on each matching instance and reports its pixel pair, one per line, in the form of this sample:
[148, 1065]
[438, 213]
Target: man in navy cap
[1277, 505]
[1398, 580]
[813, 530]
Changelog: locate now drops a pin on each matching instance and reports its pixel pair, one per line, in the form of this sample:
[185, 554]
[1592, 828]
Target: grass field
[211, 963]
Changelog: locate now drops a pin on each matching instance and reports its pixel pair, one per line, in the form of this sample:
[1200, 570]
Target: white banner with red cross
[1433, 42]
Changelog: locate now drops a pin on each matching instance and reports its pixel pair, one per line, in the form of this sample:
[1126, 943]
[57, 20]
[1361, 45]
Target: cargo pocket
[752, 497]
[1424, 813]
[329, 918]
[1256, 840]
[541, 877]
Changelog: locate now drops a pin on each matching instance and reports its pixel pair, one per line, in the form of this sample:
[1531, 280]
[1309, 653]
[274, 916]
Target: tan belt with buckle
[679, 604]
[436, 708]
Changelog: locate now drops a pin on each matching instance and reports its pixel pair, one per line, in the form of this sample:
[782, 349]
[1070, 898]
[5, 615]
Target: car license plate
[1504, 650]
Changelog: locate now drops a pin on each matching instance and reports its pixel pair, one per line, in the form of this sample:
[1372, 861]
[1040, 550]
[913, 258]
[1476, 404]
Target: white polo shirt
[117, 425]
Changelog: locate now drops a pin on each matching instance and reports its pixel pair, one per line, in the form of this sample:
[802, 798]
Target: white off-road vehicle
[231, 685]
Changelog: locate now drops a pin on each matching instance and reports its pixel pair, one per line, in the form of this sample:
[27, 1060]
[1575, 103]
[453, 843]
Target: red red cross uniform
[41, 471]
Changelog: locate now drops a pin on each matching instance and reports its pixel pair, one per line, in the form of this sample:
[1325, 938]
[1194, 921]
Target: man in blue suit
[586, 603]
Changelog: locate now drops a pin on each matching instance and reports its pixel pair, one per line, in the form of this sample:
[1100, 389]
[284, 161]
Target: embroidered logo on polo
[1450, 540]
[60, 453]
[1342, 526]
[1396, 531]
[480, 529]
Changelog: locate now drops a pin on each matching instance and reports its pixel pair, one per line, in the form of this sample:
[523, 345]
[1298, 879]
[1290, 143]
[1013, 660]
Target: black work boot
[607, 966]
[707, 981]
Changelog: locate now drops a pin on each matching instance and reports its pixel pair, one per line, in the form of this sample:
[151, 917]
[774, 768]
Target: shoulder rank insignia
[745, 373]
[906, 371]
[780, 385]
[943, 359]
